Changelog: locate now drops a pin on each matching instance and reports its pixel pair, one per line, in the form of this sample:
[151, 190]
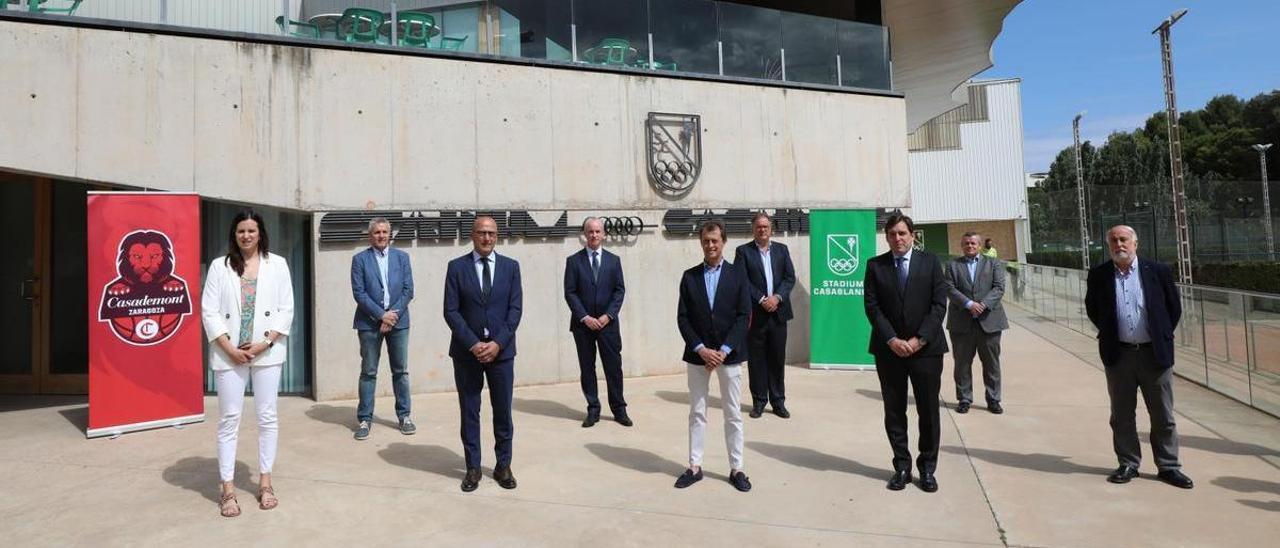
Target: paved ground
[1031, 477]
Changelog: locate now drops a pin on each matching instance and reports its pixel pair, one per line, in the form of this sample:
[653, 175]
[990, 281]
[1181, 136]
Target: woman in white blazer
[247, 310]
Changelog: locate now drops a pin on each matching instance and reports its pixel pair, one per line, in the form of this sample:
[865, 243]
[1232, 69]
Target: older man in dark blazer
[482, 306]
[712, 317]
[594, 289]
[770, 276]
[1135, 316]
[382, 285]
[905, 294]
[975, 317]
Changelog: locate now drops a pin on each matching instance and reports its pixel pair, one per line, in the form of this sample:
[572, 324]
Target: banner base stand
[842, 367]
[116, 431]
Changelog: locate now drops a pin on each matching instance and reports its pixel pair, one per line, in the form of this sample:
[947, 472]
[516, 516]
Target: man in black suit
[905, 294]
[482, 306]
[712, 315]
[594, 289]
[1135, 317]
[770, 276]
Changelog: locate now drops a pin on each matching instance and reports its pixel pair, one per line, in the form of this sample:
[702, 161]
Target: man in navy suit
[382, 284]
[771, 276]
[905, 294]
[712, 315]
[594, 289]
[482, 305]
[1135, 317]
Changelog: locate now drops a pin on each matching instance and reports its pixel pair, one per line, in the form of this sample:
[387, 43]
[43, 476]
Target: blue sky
[1100, 56]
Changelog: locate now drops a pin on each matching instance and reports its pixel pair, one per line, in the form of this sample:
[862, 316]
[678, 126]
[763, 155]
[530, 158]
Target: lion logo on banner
[146, 302]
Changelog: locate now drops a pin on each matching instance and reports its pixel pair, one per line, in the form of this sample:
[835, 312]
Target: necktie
[595, 266]
[902, 273]
[486, 284]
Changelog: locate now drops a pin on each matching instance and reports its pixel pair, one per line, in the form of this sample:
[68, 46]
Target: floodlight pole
[1266, 199]
[1175, 149]
[1084, 224]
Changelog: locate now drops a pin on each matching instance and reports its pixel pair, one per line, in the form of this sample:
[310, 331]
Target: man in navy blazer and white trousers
[1135, 317]
[593, 288]
[482, 306]
[712, 314]
[382, 285]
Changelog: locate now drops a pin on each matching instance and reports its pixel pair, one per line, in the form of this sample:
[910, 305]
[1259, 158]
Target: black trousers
[609, 344]
[470, 376]
[925, 376]
[767, 351]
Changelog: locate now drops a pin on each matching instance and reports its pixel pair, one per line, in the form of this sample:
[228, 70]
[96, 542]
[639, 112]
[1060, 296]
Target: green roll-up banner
[840, 244]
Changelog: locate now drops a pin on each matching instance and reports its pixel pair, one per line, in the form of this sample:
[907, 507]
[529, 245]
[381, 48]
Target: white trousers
[730, 397]
[231, 384]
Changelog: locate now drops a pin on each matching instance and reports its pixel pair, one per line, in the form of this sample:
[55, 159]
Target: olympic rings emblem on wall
[622, 226]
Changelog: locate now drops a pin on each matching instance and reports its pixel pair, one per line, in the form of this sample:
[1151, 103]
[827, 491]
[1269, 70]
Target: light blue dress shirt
[380, 255]
[768, 271]
[1131, 306]
[711, 277]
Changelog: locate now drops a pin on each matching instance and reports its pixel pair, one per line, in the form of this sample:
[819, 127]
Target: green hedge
[1256, 276]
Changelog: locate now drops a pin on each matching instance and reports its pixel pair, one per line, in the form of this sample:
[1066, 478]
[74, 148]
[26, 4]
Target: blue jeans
[370, 355]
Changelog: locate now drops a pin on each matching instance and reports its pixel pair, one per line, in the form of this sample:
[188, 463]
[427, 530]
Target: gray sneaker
[407, 428]
[362, 431]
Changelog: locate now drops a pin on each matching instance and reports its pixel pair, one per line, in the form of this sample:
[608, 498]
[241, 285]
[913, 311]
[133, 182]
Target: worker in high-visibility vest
[988, 249]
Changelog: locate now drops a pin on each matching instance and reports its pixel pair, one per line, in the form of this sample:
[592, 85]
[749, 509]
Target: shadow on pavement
[1219, 445]
[548, 408]
[817, 460]
[636, 459]
[682, 398]
[426, 458]
[1040, 462]
[200, 474]
[19, 402]
[77, 416]
[344, 415]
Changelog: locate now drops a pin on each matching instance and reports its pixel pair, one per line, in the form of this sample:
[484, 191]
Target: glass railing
[1227, 340]
[689, 36]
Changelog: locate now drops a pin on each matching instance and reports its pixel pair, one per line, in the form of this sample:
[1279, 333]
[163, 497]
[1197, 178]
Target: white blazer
[273, 309]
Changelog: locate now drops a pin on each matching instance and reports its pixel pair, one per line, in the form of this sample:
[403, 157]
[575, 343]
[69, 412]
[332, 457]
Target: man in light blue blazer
[382, 285]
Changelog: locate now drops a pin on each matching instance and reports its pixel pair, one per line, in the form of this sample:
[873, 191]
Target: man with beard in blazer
[975, 317]
[905, 294]
[770, 277]
[593, 288]
[483, 301]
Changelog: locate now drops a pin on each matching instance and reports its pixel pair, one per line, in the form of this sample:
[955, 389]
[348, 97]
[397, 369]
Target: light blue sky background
[1100, 56]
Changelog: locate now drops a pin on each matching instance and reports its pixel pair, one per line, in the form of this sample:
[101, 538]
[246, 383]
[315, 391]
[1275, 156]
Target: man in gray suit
[975, 318]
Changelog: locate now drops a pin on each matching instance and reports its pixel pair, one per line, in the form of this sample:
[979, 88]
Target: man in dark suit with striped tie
[593, 288]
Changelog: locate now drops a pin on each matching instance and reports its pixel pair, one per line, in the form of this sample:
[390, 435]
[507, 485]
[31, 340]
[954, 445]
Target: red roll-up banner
[145, 367]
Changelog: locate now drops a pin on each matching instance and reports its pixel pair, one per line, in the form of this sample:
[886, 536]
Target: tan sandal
[230, 507]
[265, 503]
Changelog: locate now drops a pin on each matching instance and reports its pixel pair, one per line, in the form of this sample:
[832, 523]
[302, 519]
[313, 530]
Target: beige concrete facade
[1002, 234]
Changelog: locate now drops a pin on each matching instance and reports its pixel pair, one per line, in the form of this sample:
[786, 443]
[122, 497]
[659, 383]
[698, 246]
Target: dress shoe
[781, 411]
[623, 419]
[591, 420]
[740, 481]
[899, 480]
[962, 407]
[756, 411]
[995, 408]
[689, 477]
[1175, 478]
[471, 480]
[502, 474]
[1123, 474]
[928, 483]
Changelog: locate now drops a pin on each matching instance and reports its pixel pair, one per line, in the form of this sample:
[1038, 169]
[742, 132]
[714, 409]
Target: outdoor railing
[1227, 340]
[690, 36]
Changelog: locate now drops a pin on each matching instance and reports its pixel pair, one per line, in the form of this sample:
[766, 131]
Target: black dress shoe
[623, 419]
[471, 480]
[740, 481]
[899, 480]
[502, 474]
[756, 411]
[1175, 478]
[928, 483]
[995, 408]
[962, 407]
[1123, 474]
[781, 411]
[591, 420]
[689, 477]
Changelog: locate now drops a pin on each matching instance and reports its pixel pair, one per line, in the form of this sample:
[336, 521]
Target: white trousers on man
[730, 397]
[230, 385]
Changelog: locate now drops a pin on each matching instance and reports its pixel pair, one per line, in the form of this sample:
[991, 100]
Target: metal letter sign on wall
[674, 143]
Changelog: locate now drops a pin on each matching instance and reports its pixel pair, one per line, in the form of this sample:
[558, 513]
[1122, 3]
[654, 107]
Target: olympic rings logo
[622, 226]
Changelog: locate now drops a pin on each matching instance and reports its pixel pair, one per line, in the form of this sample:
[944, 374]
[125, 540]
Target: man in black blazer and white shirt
[905, 295]
[1135, 317]
[770, 277]
[594, 289]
